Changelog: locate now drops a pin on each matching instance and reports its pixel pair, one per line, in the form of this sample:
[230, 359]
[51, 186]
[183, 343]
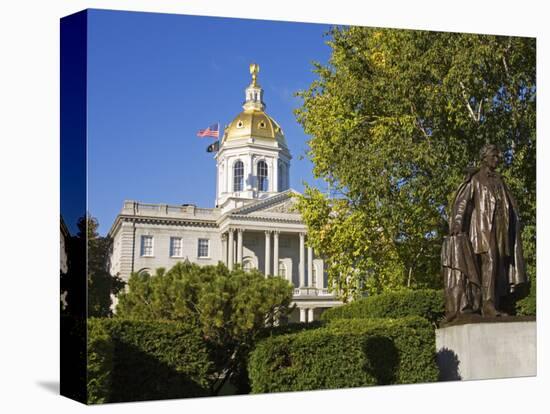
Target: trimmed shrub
[427, 303]
[100, 362]
[288, 328]
[414, 339]
[132, 360]
[346, 353]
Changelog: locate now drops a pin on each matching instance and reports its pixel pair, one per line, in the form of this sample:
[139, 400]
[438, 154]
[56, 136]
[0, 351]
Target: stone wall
[487, 350]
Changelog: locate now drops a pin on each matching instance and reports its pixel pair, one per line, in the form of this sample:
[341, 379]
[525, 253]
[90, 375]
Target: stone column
[276, 253]
[302, 314]
[267, 252]
[276, 183]
[224, 248]
[310, 267]
[310, 315]
[240, 246]
[301, 269]
[230, 254]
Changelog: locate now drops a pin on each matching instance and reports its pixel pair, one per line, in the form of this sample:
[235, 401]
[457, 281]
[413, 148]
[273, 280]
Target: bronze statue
[482, 259]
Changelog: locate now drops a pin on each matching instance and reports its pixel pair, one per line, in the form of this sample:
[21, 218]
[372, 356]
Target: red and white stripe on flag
[211, 131]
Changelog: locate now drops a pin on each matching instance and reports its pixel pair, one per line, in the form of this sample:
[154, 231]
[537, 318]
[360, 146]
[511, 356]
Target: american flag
[211, 131]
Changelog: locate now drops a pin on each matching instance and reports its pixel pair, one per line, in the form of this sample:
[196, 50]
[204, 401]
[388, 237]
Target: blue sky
[154, 80]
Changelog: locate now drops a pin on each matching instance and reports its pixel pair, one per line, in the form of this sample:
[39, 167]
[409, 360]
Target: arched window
[145, 272]
[248, 265]
[238, 175]
[262, 176]
[282, 270]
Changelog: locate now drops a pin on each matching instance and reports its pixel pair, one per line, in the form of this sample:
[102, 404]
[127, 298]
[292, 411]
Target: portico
[233, 253]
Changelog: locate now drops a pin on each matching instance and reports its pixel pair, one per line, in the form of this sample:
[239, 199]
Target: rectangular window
[203, 248]
[175, 247]
[146, 245]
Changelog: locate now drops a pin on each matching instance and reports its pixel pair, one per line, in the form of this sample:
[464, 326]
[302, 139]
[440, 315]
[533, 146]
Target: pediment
[288, 206]
[283, 203]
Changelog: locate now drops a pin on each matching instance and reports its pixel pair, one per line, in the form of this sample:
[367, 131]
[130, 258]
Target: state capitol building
[253, 224]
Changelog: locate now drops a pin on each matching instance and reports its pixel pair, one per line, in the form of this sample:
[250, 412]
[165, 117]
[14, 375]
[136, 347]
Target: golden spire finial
[254, 69]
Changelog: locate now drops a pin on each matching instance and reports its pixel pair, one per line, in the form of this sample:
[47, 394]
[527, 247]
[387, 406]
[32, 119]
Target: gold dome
[256, 124]
[253, 122]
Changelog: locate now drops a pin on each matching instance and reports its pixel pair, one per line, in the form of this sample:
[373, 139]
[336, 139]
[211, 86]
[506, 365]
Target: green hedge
[288, 328]
[100, 362]
[131, 360]
[427, 303]
[528, 305]
[346, 353]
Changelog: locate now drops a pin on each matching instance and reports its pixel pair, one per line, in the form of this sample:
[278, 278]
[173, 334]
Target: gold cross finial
[254, 69]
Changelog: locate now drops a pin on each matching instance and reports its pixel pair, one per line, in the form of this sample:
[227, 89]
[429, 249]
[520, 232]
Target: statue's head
[490, 155]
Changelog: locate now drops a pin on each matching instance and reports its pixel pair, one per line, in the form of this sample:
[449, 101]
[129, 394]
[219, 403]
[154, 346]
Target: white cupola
[253, 161]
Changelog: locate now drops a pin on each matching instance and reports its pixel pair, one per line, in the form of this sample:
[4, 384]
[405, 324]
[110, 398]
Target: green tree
[230, 307]
[394, 119]
[101, 284]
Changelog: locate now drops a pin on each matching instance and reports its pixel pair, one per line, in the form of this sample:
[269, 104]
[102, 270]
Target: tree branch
[505, 66]
[465, 96]
[504, 62]
[419, 122]
[479, 110]
[226, 372]
[412, 266]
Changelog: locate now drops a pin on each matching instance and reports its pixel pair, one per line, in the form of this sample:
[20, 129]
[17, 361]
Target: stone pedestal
[501, 347]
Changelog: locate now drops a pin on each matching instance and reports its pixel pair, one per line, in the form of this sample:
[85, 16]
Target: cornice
[276, 219]
[240, 213]
[169, 221]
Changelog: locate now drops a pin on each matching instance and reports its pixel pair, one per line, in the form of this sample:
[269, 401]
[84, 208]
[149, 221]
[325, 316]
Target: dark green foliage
[150, 360]
[528, 305]
[414, 339]
[427, 303]
[527, 298]
[230, 307]
[346, 353]
[289, 328]
[101, 284]
[100, 362]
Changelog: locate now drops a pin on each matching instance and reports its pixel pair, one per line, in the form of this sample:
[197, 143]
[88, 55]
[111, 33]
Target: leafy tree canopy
[230, 307]
[394, 119]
